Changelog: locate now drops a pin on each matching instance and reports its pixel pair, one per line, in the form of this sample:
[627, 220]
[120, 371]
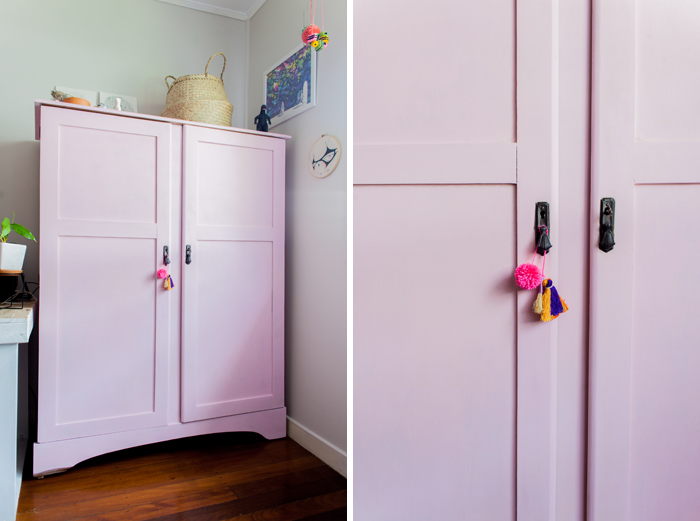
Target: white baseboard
[322, 449]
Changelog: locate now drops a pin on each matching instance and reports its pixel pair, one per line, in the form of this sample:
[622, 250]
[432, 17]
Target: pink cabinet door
[455, 378]
[105, 218]
[644, 453]
[233, 289]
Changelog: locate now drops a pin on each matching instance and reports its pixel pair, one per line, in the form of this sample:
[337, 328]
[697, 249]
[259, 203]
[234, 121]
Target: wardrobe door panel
[233, 289]
[644, 458]
[105, 218]
[456, 390]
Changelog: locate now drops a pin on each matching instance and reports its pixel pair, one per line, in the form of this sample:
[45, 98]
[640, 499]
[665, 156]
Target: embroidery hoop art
[319, 150]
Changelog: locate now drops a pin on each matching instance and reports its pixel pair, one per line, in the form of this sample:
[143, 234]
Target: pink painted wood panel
[243, 197]
[118, 173]
[104, 350]
[175, 301]
[654, 160]
[668, 48]
[443, 75]
[612, 175]
[538, 178]
[234, 345]
[106, 338]
[572, 252]
[233, 291]
[644, 404]
[440, 163]
[665, 388]
[38, 103]
[434, 352]
[440, 140]
[61, 455]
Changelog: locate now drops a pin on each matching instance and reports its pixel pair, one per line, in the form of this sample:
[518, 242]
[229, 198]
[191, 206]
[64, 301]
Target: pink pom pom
[528, 276]
[162, 273]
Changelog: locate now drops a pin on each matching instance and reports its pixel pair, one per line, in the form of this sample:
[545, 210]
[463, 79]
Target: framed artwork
[290, 85]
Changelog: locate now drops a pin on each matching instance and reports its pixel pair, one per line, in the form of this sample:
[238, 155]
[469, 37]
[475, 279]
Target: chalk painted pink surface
[435, 353]
[456, 96]
[110, 354]
[104, 342]
[644, 406]
[233, 291]
[61, 455]
[434, 292]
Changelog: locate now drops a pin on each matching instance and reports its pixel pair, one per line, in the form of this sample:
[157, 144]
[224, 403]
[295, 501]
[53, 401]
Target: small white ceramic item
[12, 256]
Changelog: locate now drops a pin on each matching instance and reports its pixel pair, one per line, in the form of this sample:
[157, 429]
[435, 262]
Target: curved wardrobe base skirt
[59, 456]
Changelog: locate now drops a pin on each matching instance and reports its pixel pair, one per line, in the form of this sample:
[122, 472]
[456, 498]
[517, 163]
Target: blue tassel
[556, 307]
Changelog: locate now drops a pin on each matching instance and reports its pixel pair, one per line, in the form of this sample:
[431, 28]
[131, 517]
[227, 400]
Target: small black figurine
[262, 119]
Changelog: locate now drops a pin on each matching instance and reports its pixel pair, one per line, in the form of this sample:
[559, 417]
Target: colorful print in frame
[290, 85]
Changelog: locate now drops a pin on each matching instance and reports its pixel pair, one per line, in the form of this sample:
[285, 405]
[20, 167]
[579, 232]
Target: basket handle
[222, 70]
[169, 84]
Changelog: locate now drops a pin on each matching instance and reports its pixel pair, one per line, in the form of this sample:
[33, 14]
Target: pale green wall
[316, 261]
[120, 46]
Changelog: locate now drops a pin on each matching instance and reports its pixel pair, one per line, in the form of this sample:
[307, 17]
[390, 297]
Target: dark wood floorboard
[238, 476]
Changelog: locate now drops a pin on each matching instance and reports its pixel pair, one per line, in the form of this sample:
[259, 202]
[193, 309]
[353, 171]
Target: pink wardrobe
[122, 360]
[466, 406]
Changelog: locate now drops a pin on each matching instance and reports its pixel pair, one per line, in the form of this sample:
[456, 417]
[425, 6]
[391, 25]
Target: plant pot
[12, 256]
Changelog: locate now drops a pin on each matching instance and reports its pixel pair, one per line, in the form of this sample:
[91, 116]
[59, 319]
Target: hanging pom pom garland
[313, 35]
[321, 41]
[548, 304]
[528, 275]
[310, 34]
[162, 273]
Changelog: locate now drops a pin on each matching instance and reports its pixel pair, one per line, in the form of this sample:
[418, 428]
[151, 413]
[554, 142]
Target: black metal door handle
[606, 240]
[188, 254]
[542, 228]
[166, 255]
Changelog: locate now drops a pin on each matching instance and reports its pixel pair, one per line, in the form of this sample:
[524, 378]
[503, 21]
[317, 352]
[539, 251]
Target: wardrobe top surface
[71, 106]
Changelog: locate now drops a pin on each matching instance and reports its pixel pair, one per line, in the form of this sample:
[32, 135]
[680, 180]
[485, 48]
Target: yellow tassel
[546, 315]
[537, 306]
[166, 284]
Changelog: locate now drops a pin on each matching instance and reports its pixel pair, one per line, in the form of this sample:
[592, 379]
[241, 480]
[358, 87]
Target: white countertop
[16, 324]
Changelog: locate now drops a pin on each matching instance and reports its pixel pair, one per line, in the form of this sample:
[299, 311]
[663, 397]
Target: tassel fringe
[552, 304]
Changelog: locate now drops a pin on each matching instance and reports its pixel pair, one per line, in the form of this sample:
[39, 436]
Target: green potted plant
[11, 254]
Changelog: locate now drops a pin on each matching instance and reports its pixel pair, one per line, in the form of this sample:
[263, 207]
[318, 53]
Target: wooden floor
[238, 476]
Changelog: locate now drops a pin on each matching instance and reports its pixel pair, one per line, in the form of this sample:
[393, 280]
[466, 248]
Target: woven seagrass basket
[199, 97]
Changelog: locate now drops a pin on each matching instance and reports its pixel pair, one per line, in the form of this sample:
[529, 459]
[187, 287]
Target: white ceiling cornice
[254, 8]
[243, 10]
